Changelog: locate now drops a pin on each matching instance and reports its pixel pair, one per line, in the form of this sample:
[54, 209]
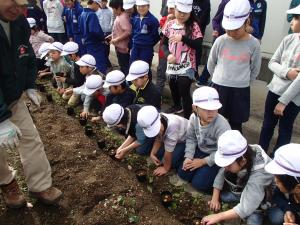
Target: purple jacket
[217, 20]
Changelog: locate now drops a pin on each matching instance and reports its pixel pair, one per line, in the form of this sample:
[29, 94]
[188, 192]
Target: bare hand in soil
[195, 164]
[96, 119]
[160, 171]
[186, 162]
[214, 205]
[155, 160]
[69, 91]
[211, 219]
[84, 114]
[120, 154]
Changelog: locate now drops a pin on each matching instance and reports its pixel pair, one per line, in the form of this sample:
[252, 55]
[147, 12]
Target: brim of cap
[54, 48]
[32, 25]
[107, 84]
[295, 11]
[153, 130]
[209, 105]
[128, 6]
[43, 54]
[142, 3]
[88, 91]
[222, 161]
[230, 24]
[184, 8]
[65, 53]
[131, 77]
[273, 168]
[171, 5]
[80, 63]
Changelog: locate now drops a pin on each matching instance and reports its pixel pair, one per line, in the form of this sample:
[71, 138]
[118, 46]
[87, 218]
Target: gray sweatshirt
[204, 137]
[287, 56]
[254, 191]
[234, 63]
[105, 17]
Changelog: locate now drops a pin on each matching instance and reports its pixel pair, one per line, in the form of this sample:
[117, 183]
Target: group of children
[206, 146]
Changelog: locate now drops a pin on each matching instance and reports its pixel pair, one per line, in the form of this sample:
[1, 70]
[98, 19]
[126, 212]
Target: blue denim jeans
[256, 218]
[286, 123]
[275, 215]
[202, 178]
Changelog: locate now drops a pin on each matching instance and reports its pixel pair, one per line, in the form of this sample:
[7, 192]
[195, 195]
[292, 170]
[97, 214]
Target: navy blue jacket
[201, 13]
[145, 31]
[17, 65]
[258, 17]
[72, 18]
[33, 11]
[123, 100]
[90, 28]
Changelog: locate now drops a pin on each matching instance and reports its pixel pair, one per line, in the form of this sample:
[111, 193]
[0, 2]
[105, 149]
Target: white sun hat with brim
[44, 49]
[142, 2]
[137, 69]
[87, 60]
[171, 4]
[148, 118]
[128, 4]
[113, 114]
[31, 22]
[286, 161]
[235, 14]
[57, 46]
[231, 146]
[295, 11]
[206, 98]
[185, 6]
[70, 48]
[113, 78]
[92, 84]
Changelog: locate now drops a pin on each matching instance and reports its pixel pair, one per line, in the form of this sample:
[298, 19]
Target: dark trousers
[286, 123]
[60, 37]
[123, 60]
[161, 74]
[144, 53]
[180, 91]
[107, 51]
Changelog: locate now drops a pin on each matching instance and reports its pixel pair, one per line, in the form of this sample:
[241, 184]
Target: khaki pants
[31, 150]
[74, 100]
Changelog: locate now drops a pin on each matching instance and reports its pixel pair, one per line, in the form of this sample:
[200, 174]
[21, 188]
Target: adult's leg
[98, 52]
[123, 60]
[270, 121]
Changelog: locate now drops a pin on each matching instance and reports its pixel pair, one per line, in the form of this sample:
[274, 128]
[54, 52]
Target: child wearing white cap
[44, 62]
[234, 61]
[130, 7]
[169, 132]
[126, 119]
[204, 129]
[242, 172]
[87, 67]
[283, 100]
[182, 36]
[145, 34]
[146, 92]
[286, 168]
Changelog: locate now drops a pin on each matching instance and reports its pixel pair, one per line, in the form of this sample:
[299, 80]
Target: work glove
[9, 135]
[34, 96]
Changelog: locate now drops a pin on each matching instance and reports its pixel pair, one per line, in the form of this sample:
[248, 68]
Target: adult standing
[17, 131]
[54, 11]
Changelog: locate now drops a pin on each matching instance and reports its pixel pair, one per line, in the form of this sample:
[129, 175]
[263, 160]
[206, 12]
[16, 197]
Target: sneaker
[173, 109]
[201, 83]
[12, 195]
[49, 197]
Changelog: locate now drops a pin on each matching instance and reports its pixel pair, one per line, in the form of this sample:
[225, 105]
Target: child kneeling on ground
[169, 132]
[126, 118]
[242, 172]
[205, 127]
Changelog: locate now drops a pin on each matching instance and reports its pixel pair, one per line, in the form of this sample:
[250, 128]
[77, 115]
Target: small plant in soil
[49, 97]
[112, 153]
[166, 198]
[70, 111]
[88, 130]
[82, 121]
[141, 175]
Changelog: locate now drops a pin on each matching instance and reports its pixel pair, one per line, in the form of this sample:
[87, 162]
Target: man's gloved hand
[9, 135]
[34, 96]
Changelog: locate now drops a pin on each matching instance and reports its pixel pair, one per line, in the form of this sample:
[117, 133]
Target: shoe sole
[45, 201]
[16, 206]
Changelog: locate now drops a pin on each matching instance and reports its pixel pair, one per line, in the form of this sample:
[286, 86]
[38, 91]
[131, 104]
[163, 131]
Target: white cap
[44, 49]
[92, 84]
[185, 6]
[235, 14]
[31, 22]
[142, 2]
[87, 60]
[97, 1]
[231, 145]
[113, 114]
[56, 46]
[114, 78]
[128, 4]
[70, 48]
[137, 69]
[171, 3]
[206, 98]
[149, 119]
[295, 10]
[286, 161]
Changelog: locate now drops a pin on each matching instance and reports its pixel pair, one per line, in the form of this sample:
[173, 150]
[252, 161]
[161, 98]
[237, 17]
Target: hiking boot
[174, 109]
[49, 197]
[12, 195]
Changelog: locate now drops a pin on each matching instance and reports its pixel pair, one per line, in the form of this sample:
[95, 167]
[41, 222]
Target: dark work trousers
[144, 53]
[161, 74]
[180, 90]
[107, 51]
[60, 37]
[123, 60]
[286, 123]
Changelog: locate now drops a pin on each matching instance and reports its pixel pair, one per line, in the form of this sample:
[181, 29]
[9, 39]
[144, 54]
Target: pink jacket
[37, 39]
